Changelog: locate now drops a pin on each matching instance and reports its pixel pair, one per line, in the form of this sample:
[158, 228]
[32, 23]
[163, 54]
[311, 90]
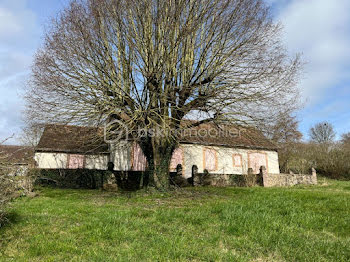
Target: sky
[319, 29]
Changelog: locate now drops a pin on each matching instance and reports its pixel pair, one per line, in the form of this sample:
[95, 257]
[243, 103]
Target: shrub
[79, 178]
[87, 179]
[330, 160]
[6, 187]
[11, 184]
[7, 190]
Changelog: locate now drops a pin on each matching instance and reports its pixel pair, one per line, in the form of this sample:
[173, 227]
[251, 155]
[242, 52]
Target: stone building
[208, 147]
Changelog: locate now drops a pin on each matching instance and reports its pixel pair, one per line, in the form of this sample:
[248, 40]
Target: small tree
[285, 129]
[322, 133]
[285, 133]
[152, 63]
[4, 165]
[4, 160]
[31, 134]
[345, 139]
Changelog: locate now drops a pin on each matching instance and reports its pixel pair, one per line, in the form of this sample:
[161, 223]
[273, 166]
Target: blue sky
[320, 29]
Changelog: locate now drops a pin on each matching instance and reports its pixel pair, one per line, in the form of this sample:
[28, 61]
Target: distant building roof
[89, 140]
[17, 155]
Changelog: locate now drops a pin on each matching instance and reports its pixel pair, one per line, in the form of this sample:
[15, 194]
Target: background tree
[284, 132]
[285, 129]
[4, 157]
[153, 63]
[31, 134]
[345, 139]
[4, 165]
[322, 133]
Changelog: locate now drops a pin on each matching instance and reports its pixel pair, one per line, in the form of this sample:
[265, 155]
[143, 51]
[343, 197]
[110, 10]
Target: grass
[197, 224]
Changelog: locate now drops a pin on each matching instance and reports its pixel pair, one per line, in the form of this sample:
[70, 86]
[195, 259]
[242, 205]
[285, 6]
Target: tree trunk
[161, 168]
[158, 152]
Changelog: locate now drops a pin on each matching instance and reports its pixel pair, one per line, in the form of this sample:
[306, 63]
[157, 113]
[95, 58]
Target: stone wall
[263, 179]
[280, 180]
[223, 180]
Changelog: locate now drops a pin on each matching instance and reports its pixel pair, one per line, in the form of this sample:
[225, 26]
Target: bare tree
[345, 139]
[30, 135]
[4, 163]
[322, 133]
[285, 129]
[284, 132]
[153, 63]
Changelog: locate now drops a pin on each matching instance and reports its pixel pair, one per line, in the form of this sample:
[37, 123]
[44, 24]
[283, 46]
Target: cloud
[15, 63]
[9, 24]
[320, 29]
[17, 25]
[19, 36]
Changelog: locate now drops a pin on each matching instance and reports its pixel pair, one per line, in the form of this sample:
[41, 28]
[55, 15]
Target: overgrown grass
[197, 224]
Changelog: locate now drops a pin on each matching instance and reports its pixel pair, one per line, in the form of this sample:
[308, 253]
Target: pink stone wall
[256, 160]
[139, 161]
[237, 160]
[75, 161]
[176, 159]
[210, 159]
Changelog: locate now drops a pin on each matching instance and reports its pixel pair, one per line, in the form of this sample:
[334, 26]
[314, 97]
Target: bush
[87, 179]
[14, 181]
[330, 160]
[4, 188]
[11, 187]
[7, 190]
[79, 178]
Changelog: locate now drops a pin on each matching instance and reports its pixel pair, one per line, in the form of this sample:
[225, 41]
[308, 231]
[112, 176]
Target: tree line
[330, 157]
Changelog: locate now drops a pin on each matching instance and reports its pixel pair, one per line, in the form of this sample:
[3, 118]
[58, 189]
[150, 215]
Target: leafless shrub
[6, 186]
[14, 181]
[345, 140]
[31, 134]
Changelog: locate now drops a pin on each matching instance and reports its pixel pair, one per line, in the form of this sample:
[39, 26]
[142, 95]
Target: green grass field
[195, 224]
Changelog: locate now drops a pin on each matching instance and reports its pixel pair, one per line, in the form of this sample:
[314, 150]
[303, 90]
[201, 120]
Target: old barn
[207, 147]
